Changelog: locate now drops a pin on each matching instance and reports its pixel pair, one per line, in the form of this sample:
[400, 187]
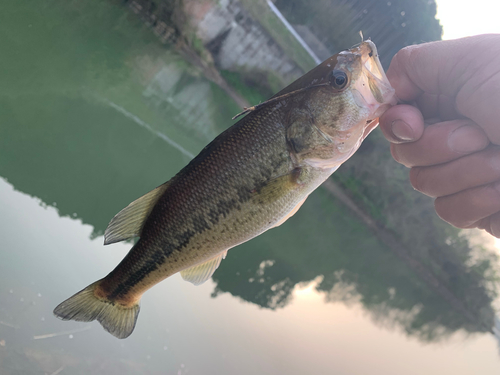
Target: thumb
[466, 70]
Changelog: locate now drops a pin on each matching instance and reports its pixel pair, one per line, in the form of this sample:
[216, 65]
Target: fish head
[361, 85]
[349, 91]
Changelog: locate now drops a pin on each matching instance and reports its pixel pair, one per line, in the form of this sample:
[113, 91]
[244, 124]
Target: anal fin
[202, 272]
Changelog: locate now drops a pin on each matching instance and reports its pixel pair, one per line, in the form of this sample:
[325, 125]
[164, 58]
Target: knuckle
[404, 55]
[411, 57]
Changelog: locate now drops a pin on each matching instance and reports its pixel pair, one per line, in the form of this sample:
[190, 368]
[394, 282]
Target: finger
[447, 109]
[437, 106]
[479, 97]
[479, 168]
[464, 69]
[494, 225]
[441, 143]
[428, 105]
[441, 67]
[467, 207]
[402, 123]
[491, 224]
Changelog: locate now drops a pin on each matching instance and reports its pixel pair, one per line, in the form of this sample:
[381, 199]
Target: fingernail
[402, 130]
[467, 139]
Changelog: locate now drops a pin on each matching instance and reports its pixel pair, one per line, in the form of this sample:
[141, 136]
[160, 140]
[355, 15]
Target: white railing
[294, 33]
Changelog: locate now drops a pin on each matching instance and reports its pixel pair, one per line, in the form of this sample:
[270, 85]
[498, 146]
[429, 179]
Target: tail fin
[84, 306]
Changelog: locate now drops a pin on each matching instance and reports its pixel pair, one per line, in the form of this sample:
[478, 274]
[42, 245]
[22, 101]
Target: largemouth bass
[251, 178]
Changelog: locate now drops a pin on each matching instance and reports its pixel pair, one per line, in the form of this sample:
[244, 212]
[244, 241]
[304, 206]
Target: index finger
[466, 70]
[438, 67]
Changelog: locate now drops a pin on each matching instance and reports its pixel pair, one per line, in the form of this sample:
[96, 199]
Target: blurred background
[101, 101]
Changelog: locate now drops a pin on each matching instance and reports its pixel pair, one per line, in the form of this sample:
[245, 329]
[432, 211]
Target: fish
[249, 179]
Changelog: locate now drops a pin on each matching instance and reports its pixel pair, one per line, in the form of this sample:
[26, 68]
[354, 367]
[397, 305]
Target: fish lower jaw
[375, 109]
[365, 99]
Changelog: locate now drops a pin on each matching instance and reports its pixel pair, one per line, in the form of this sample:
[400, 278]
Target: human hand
[450, 136]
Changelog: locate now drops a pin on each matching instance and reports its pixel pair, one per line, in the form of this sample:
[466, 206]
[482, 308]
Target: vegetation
[325, 244]
[391, 24]
[381, 187]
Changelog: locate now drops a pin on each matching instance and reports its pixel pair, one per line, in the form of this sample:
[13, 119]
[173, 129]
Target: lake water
[95, 112]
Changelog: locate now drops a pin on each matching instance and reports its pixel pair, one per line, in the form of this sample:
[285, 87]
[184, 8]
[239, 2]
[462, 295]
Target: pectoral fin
[202, 272]
[275, 188]
[128, 222]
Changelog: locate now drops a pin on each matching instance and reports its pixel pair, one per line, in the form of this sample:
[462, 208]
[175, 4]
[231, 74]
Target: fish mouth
[371, 62]
[373, 89]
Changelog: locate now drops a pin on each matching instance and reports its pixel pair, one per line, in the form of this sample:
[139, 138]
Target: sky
[466, 18]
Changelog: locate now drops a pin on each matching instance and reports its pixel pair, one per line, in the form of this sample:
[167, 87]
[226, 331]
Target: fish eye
[339, 79]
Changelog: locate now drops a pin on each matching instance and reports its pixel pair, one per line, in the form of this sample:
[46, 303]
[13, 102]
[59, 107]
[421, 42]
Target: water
[94, 112]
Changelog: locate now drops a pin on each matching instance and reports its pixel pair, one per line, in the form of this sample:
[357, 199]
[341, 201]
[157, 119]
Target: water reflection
[73, 118]
[356, 267]
[104, 118]
[74, 141]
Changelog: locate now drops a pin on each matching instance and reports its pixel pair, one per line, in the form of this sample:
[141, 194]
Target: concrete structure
[237, 41]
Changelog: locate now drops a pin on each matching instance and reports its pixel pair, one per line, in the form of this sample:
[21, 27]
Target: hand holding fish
[450, 136]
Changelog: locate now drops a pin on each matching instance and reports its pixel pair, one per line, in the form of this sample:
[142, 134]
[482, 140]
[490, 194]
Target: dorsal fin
[128, 222]
[276, 98]
[202, 272]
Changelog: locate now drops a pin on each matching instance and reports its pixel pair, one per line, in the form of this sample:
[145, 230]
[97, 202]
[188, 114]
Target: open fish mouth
[372, 65]
[373, 89]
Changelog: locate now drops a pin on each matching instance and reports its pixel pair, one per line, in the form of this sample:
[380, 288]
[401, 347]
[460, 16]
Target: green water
[95, 112]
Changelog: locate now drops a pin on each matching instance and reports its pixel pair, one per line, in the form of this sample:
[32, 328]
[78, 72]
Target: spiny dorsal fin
[128, 222]
[202, 272]
[276, 98]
